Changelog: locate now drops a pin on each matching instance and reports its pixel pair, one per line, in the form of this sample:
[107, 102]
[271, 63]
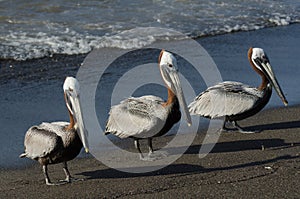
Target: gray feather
[225, 99]
[137, 117]
[41, 141]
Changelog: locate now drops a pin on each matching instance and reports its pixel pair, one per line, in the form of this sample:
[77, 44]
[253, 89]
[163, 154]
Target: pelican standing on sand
[236, 101]
[149, 116]
[58, 142]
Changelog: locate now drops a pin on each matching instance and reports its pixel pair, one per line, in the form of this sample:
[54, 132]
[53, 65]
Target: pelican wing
[137, 117]
[43, 140]
[225, 99]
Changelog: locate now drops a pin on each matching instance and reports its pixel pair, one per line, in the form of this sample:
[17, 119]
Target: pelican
[236, 101]
[149, 116]
[58, 142]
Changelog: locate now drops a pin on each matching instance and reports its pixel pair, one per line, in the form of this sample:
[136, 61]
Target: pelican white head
[72, 96]
[169, 73]
[71, 84]
[261, 61]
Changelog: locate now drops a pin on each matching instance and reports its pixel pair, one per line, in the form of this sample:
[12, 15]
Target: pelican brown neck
[171, 98]
[72, 121]
[160, 55]
[264, 79]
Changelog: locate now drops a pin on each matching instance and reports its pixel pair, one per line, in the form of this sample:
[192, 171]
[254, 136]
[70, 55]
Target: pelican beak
[267, 69]
[176, 87]
[75, 106]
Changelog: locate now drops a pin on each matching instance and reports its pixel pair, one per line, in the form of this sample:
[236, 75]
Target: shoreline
[58, 56]
[248, 125]
[238, 164]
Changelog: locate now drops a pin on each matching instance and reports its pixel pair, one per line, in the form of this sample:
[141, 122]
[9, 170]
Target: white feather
[225, 99]
[140, 117]
[42, 140]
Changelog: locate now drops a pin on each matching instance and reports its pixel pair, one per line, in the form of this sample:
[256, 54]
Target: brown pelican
[149, 116]
[58, 142]
[236, 101]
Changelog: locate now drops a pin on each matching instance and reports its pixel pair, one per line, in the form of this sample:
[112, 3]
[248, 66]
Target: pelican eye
[170, 65]
[265, 59]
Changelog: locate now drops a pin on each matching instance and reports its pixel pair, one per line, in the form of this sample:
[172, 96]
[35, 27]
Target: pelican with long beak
[149, 116]
[236, 101]
[59, 142]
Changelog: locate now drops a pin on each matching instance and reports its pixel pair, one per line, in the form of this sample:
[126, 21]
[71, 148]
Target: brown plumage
[236, 101]
[149, 116]
[58, 142]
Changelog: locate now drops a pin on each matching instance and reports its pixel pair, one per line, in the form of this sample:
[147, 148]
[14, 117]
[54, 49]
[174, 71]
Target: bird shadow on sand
[171, 169]
[190, 169]
[253, 144]
[275, 126]
[232, 146]
[177, 169]
[244, 145]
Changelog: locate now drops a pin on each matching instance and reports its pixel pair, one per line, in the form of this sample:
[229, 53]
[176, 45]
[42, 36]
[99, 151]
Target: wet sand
[261, 165]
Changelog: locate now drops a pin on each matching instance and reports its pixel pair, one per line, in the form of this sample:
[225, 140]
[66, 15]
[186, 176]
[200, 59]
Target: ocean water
[41, 28]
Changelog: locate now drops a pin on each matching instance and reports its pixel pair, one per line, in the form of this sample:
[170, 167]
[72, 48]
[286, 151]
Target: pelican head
[262, 63]
[169, 72]
[72, 97]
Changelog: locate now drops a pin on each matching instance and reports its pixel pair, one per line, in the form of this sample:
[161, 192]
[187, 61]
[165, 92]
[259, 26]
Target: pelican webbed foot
[47, 179]
[155, 155]
[236, 127]
[241, 130]
[158, 154]
[70, 180]
[152, 155]
[56, 184]
[226, 129]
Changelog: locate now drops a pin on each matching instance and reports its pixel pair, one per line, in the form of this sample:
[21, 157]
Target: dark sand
[262, 165]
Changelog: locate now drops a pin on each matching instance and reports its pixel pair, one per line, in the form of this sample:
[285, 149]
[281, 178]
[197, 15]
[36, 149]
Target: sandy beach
[262, 165]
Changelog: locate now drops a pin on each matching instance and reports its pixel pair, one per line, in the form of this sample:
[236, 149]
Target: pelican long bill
[175, 85]
[76, 109]
[179, 93]
[272, 78]
[268, 71]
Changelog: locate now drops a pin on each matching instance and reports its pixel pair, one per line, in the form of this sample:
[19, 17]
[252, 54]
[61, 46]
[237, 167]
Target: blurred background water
[39, 28]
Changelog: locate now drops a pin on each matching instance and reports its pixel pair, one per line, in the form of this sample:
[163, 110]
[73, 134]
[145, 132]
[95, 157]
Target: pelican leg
[67, 173]
[155, 155]
[47, 179]
[150, 145]
[45, 172]
[236, 127]
[69, 178]
[224, 128]
[137, 146]
[151, 155]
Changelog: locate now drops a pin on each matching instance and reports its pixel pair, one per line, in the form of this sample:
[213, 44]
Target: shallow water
[32, 29]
